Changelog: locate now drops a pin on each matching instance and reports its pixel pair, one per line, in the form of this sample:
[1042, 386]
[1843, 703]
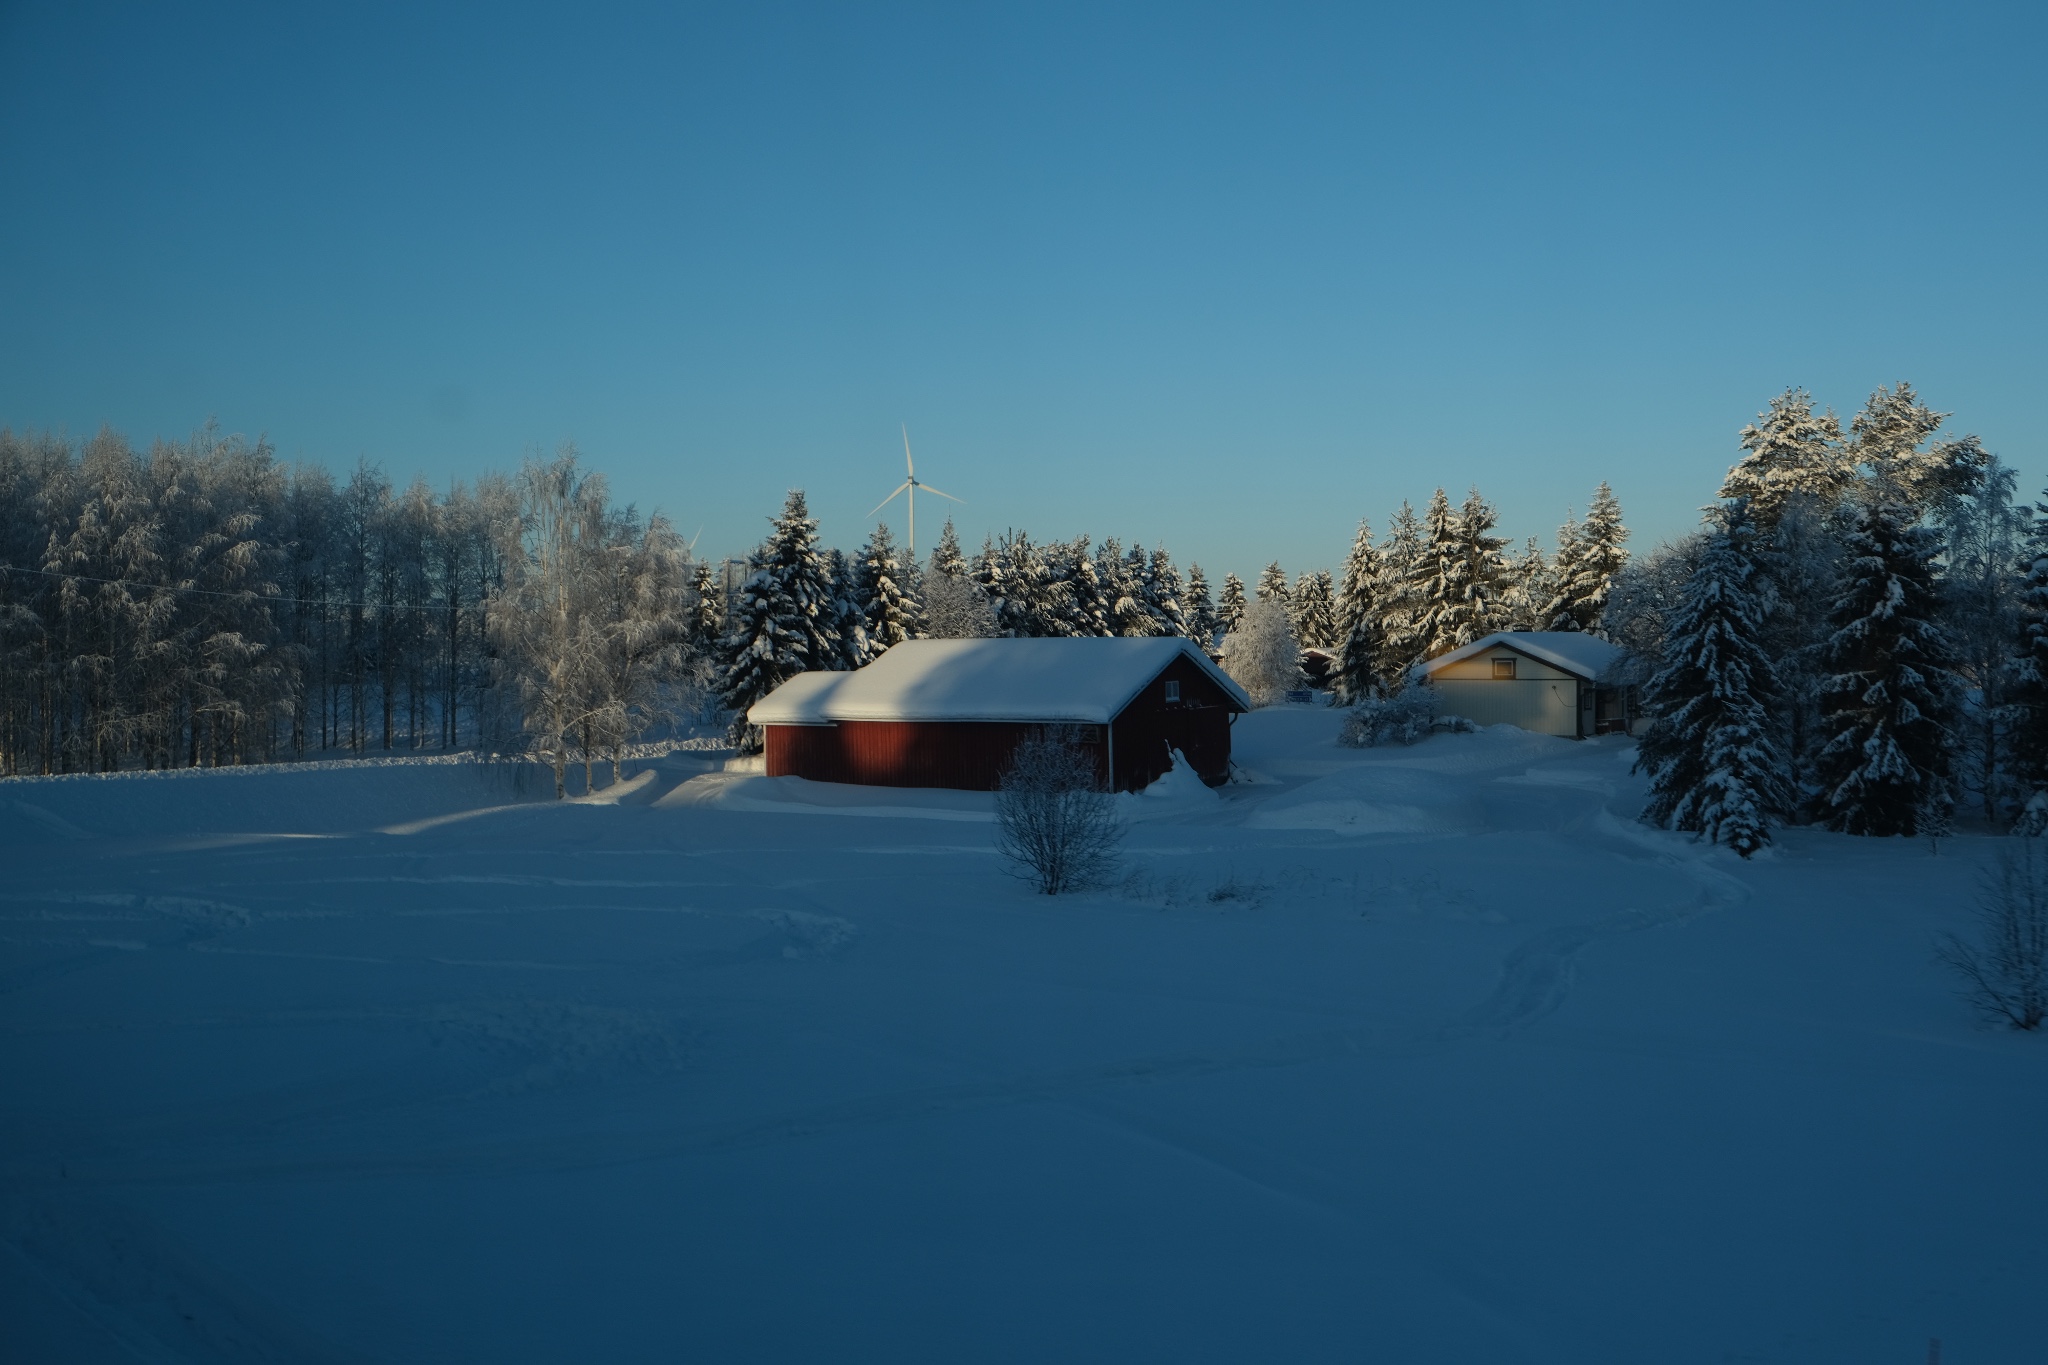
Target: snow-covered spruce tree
[1434, 578]
[1230, 609]
[1315, 610]
[954, 606]
[1201, 609]
[1079, 600]
[707, 607]
[1552, 612]
[1890, 439]
[1273, 586]
[1400, 599]
[1888, 705]
[1792, 454]
[889, 614]
[990, 573]
[1013, 581]
[784, 619]
[849, 620]
[1138, 570]
[1582, 582]
[1123, 590]
[1165, 597]
[1464, 575]
[946, 556]
[1528, 590]
[1714, 769]
[1262, 653]
[1644, 600]
[2029, 691]
[1361, 636]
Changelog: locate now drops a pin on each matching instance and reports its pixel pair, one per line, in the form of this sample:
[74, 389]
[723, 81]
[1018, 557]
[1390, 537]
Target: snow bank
[1177, 793]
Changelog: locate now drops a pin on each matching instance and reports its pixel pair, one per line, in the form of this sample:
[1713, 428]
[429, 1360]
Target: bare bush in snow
[1404, 718]
[1055, 825]
[2005, 972]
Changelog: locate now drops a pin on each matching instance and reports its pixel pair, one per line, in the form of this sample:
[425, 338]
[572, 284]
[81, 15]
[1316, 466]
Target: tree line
[203, 603]
[1437, 581]
[1853, 636]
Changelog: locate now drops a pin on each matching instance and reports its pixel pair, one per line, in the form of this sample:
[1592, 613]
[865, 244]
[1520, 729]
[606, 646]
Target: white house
[1554, 682]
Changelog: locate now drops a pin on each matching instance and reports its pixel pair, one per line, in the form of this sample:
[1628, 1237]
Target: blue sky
[1227, 278]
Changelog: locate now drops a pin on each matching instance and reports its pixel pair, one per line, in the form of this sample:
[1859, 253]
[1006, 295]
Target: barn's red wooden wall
[971, 755]
[965, 755]
[1198, 725]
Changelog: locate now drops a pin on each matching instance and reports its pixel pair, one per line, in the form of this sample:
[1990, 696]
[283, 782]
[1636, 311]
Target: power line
[214, 592]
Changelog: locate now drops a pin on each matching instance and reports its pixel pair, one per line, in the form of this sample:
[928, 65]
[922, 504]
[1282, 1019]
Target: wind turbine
[910, 485]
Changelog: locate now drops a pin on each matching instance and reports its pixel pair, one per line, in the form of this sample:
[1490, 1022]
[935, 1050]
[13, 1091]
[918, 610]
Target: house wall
[1150, 727]
[1540, 697]
[1480, 667]
[964, 755]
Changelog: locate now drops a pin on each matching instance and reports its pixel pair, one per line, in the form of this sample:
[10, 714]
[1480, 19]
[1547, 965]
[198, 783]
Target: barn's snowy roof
[1084, 682]
[1587, 656]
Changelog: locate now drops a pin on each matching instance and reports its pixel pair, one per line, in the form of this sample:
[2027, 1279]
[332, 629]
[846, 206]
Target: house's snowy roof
[1587, 656]
[1084, 682]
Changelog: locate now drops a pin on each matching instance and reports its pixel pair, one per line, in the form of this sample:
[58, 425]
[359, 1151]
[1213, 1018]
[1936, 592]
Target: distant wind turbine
[909, 486]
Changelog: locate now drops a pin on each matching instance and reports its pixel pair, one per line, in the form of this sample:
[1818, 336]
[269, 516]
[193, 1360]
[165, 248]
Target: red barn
[949, 713]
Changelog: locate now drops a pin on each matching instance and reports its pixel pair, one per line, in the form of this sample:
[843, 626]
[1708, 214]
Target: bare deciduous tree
[1055, 824]
[1262, 654]
[2005, 972]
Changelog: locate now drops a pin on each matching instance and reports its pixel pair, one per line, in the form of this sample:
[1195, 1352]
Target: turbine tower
[909, 486]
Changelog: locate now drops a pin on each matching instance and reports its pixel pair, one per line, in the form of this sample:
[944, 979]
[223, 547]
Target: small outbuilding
[950, 713]
[1554, 682]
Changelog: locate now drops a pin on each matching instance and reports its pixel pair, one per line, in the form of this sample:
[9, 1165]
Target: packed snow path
[1423, 1055]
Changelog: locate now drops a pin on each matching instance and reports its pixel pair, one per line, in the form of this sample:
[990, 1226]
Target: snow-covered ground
[1414, 1055]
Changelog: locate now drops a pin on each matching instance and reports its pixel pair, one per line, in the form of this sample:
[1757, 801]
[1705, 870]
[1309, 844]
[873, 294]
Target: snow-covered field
[1422, 1055]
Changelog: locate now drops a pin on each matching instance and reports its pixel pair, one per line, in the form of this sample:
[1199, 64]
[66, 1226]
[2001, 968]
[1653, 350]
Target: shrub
[1403, 718]
[1055, 825]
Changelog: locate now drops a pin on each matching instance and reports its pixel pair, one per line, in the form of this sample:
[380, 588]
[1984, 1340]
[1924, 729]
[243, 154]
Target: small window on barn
[1503, 668]
[1172, 690]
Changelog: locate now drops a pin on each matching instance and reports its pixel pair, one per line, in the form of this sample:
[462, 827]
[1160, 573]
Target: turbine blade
[942, 493]
[886, 501]
[908, 467]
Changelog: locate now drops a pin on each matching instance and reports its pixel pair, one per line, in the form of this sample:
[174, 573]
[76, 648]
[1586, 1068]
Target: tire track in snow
[1537, 974]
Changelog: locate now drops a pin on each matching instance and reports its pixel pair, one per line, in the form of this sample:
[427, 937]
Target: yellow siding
[1549, 706]
[1480, 666]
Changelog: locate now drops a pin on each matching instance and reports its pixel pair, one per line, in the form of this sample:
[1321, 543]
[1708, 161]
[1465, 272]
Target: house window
[1503, 668]
[1172, 691]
